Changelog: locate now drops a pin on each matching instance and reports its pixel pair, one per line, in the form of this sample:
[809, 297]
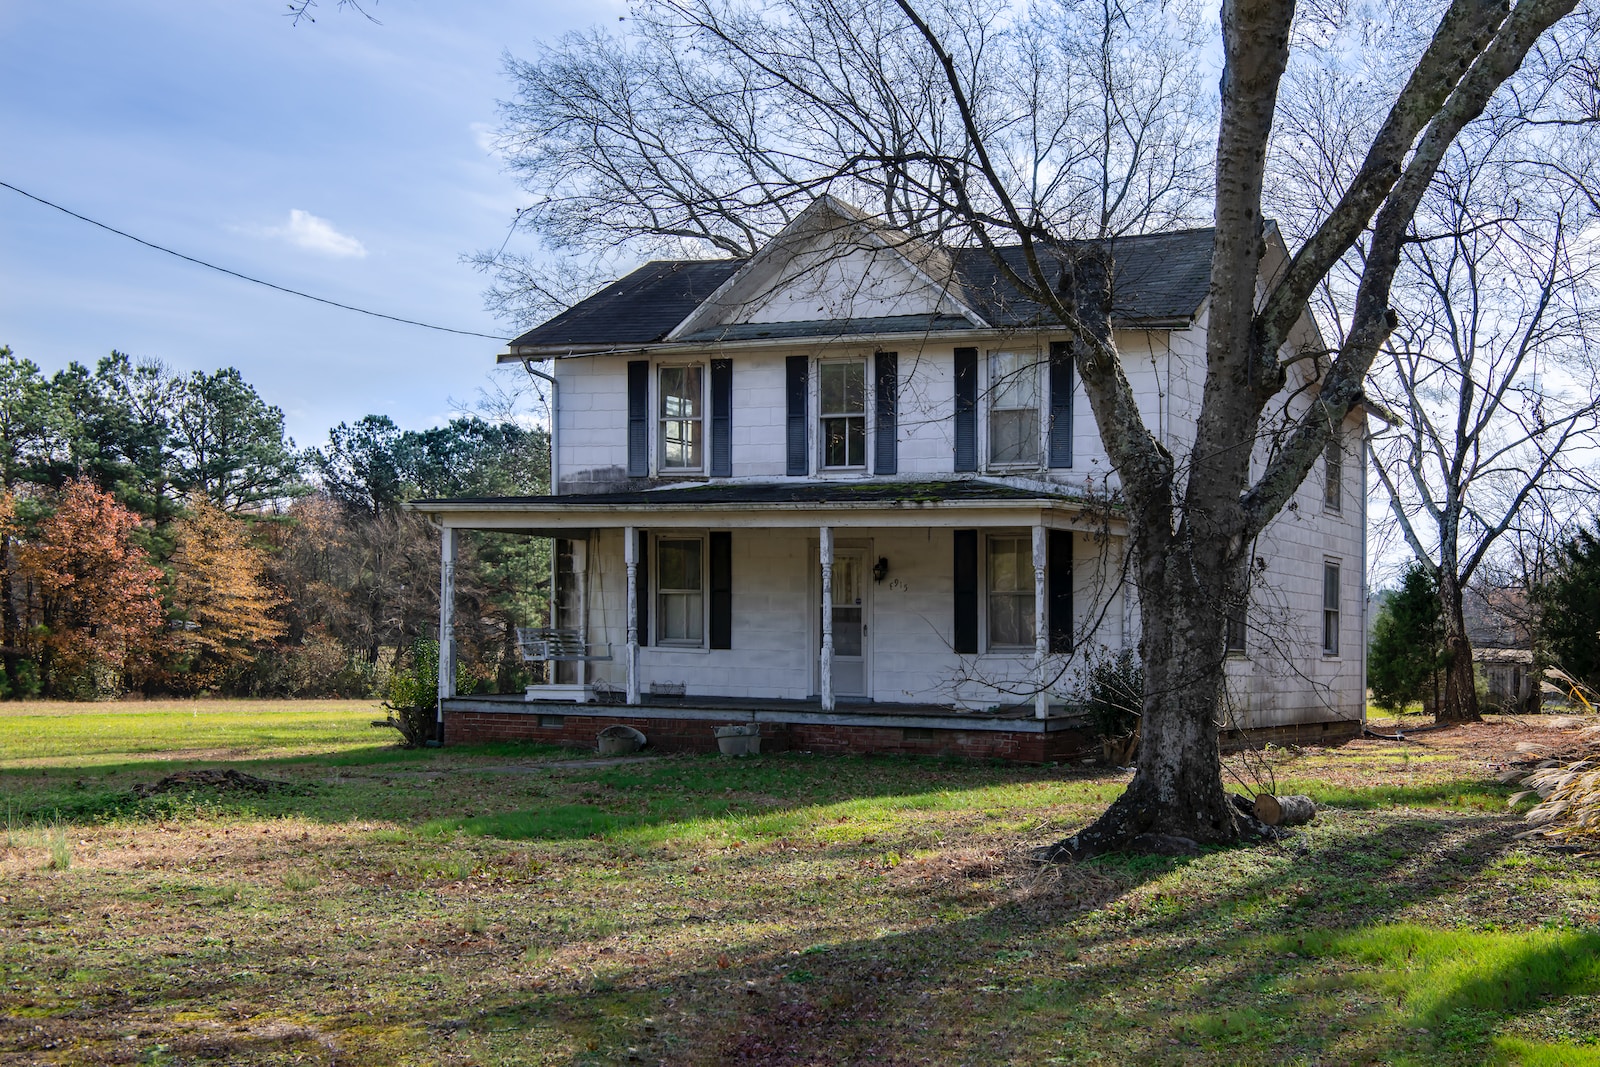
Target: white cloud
[487, 139]
[305, 230]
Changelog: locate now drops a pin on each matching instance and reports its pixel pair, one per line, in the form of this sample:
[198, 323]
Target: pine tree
[1407, 641]
[1570, 607]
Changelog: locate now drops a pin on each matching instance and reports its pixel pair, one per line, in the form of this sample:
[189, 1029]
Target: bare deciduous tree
[711, 125]
[930, 109]
[1491, 372]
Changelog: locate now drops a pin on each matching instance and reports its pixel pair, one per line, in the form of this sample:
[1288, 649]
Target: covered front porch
[961, 603]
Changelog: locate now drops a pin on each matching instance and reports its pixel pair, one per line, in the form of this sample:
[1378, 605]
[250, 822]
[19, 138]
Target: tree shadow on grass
[442, 792]
[1212, 968]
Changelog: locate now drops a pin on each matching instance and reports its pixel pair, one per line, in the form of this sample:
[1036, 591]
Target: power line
[245, 277]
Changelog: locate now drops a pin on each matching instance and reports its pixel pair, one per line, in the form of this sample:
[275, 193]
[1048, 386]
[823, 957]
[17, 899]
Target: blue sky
[344, 158]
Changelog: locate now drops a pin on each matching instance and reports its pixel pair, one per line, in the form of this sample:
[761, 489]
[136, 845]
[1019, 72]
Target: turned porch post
[630, 556]
[826, 553]
[1041, 623]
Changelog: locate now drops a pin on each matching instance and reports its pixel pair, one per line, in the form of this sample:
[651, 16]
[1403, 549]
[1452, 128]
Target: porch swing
[547, 645]
[552, 645]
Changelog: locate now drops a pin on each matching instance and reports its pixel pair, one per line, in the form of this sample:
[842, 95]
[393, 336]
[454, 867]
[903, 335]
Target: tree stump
[1293, 810]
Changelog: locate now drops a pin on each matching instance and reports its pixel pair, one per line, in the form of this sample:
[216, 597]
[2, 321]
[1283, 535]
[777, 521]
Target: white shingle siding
[1285, 678]
[594, 408]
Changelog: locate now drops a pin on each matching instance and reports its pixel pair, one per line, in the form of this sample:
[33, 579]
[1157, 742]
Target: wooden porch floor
[1015, 717]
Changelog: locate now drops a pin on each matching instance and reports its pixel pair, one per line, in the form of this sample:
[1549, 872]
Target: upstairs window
[682, 418]
[1013, 409]
[680, 592]
[843, 409]
[1011, 611]
[1330, 609]
[1333, 472]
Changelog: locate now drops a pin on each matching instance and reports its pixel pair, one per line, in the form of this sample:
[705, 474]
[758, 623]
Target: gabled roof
[1160, 280]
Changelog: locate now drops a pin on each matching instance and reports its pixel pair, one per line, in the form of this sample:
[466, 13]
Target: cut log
[1291, 810]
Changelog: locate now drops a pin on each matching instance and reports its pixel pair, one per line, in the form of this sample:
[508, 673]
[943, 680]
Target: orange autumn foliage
[98, 596]
[222, 600]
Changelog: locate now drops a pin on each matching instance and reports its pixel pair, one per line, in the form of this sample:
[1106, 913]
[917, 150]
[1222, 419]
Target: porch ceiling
[970, 502]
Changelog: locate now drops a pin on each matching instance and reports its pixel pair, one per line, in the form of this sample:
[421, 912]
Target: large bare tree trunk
[1460, 702]
[1176, 799]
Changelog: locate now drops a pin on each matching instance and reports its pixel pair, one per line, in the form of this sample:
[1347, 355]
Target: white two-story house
[850, 488]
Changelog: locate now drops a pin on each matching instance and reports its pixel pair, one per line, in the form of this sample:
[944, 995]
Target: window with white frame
[680, 592]
[842, 389]
[1010, 592]
[682, 418]
[1333, 472]
[1330, 608]
[1013, 409]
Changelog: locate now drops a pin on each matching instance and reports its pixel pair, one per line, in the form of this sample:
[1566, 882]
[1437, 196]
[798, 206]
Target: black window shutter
[966, 576]
[638, 418]
[886, 371]
[795, 393]
[722, 418]
[642, 588]
[1060, 404]
[967, 411]
[721, 589]
[1058, 579]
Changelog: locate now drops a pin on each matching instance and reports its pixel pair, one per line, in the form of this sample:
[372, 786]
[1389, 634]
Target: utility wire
[245, 277]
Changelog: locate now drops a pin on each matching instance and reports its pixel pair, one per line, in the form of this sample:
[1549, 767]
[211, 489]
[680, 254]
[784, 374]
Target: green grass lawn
[510, 905]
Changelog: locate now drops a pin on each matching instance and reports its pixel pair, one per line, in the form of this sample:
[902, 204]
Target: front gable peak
[834, 264]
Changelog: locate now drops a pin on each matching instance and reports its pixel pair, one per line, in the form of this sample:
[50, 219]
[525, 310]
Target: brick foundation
[578, 728]
[1300, 733]
[695, 735]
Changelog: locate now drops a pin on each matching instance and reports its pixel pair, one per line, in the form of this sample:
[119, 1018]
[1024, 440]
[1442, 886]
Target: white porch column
[826, 552]
[447, 618]
[580, 580]
[630, 557]
[1041, 622]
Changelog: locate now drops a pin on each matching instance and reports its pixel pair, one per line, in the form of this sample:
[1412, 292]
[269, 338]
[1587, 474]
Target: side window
[1009, 574]
[1233, 636]
[1333, 472]
[680, 592]
[1013, 409]
[682, 418]
[1330, 609]
[842, 386]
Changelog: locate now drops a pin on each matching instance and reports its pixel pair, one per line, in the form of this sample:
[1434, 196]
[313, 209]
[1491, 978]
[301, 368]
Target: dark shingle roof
[637, 309]
[721, 493]
[1160, 279]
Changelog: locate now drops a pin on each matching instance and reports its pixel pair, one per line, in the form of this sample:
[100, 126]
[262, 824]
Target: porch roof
[962, 502]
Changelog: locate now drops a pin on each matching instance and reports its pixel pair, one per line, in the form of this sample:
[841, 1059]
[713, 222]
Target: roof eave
[518, 353]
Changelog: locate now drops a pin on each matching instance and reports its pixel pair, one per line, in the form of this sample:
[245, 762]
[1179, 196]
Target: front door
[849, 623]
